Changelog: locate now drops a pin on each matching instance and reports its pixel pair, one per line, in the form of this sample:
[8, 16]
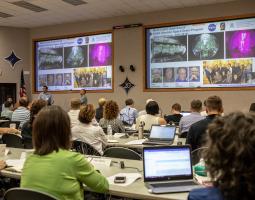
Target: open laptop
[185, 113]
[168, 169]
[161, 134]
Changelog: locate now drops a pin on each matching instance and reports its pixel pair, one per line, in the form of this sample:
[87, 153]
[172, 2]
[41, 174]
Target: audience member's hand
[2, 164]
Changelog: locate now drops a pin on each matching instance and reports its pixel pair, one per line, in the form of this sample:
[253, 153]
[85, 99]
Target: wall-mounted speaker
[132, 68]
[121, 68]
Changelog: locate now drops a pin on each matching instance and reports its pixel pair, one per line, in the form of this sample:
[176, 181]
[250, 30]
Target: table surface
[135, 190]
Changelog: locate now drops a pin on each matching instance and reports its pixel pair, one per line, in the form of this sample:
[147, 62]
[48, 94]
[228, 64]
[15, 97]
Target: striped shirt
[21, 114]
[116, 124]
[187, 121]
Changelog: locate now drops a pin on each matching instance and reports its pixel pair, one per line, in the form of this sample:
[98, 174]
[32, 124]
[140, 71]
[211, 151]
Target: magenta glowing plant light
[100, 54]
[241, 43]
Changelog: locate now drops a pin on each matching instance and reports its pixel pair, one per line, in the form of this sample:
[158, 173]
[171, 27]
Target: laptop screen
[162, 132]
[185, 113]
[167, 163]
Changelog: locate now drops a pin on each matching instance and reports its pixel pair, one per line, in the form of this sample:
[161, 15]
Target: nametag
[100, 161]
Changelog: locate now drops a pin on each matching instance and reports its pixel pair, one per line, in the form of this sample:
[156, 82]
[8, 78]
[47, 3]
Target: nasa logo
[211, 27]
[79, 40]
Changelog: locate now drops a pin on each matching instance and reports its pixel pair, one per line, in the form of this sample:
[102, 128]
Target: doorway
[7, 90]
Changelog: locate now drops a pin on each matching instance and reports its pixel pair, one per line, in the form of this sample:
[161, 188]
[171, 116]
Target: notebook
[168, 169]
[161, 134]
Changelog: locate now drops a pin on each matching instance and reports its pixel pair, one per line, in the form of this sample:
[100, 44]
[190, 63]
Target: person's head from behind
[51, 130]
[23, 102]
[37, 105]
[86, 114]
[152, 108]
[129, 102]
[230, 156]
[196, 105]
[101, 102]
[75, 104]
[45, 88]
[111, 110]
[252, 107]
[214, 105]
[7, 104]
[176, 108]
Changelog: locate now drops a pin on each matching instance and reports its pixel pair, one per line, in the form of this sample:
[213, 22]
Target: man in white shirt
[74, 111]
[21, 114]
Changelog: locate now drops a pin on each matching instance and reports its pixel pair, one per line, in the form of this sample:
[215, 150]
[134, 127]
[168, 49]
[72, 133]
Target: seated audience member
[143, 112]
[176, 114]
[128, 114]
[26, 131]
[229, 159]
[9, 99]
[8, 130]
[86, 132]
[197, 131]
[53, 168]
[21, 114]
[74, 111]
[151, 117]
[111, 113]
[7, 112]
[100, 109]
[252, 107]
[187, 121]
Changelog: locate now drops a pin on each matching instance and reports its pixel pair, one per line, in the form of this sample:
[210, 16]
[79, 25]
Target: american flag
[22, 91]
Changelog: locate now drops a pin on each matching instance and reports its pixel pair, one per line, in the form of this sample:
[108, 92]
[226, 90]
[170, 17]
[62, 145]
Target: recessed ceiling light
[75, 2]
[29, 6]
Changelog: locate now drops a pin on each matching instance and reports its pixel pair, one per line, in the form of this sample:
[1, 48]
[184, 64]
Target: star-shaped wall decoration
[127, 85]
[12, 59]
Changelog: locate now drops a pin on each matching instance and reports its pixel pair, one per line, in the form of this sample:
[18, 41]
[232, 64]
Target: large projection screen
[201, 56]
[74, 63]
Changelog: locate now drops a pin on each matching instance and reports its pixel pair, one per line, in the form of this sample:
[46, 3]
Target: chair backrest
[27, 194]
[12, 140]
[84, 148]
[27, 142]
[121, 152]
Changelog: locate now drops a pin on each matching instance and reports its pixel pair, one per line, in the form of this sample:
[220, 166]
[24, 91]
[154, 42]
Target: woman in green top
[53, 168]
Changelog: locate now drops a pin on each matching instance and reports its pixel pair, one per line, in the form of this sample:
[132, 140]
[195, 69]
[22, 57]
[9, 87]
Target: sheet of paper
[118, 135]
[136, 141]
[130, 178]
[99, 161]
[112, 141]
[15, 164]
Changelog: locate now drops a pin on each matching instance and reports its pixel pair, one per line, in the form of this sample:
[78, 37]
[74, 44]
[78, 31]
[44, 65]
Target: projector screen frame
[180, 23]
[35, 40]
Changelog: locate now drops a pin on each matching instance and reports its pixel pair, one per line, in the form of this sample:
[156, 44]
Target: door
[7, 90]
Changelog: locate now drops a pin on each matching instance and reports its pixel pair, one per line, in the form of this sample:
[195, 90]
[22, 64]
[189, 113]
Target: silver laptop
[161, 134]
[168, 169]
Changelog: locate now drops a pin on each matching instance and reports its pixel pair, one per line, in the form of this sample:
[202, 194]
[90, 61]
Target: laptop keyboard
[173, 184]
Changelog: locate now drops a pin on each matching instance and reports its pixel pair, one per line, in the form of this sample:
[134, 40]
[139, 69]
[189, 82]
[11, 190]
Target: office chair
[197, 154]
[84, 148]
[27, 194]
[121, 152]
[12, 140]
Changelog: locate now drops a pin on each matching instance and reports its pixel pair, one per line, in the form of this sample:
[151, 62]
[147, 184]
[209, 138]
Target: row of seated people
[230, 140]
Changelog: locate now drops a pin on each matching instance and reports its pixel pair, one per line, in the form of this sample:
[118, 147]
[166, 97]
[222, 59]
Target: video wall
[74, 63]
[206, 55]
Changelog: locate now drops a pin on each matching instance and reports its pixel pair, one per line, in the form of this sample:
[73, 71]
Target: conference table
[135, 190]
[133, 142]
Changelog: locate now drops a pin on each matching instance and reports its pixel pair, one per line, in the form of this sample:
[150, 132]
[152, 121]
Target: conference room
[120, 95]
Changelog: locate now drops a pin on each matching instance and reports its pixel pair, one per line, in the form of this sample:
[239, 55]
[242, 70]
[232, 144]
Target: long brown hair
[51, 130]
[230, 157]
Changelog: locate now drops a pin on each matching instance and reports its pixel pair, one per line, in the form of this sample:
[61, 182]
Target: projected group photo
[213, 54]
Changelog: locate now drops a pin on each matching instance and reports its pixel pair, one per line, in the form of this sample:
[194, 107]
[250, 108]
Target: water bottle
[140, 130]
[109, 132]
